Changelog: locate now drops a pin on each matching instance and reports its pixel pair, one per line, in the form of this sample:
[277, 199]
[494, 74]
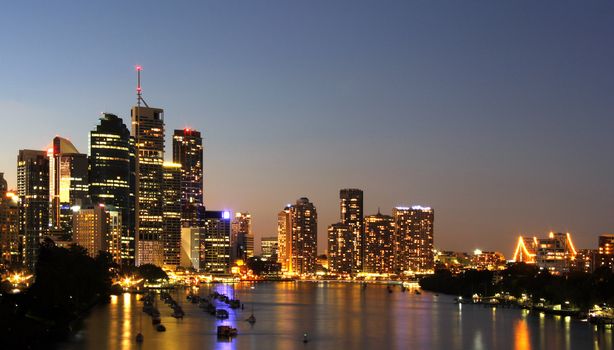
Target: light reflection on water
[335, 316]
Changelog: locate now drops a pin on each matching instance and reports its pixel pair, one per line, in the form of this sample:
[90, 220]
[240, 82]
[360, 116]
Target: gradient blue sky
[499, 114]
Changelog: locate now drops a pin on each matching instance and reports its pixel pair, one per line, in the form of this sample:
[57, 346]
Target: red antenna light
[139, 68]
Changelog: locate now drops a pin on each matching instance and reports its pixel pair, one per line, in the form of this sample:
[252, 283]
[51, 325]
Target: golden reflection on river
[335, 316]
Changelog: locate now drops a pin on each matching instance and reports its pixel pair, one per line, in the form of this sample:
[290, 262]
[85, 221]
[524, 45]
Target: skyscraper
[33, 192]
[111, 156]
[304, 236]
[379, 244]
[68, 184]
[351, 207]
[242, 236]
[188, 151]
[605, 255]
[172, 214]
[414, 238]
[284, 236]
[341, 248]
[148, 133]
[215, 242]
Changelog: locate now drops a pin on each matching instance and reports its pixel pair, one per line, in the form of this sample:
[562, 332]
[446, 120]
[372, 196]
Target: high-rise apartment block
[414, 239]
[297, 227]
[33, 192]
[188, 151]
[379, 244]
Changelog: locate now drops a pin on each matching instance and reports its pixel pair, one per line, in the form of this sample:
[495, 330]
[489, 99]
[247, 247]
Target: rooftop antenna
[139, 96]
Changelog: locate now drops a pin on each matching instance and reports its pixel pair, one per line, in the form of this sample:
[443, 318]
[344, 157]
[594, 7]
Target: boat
[139, 338]
[160, 328]
[226, 331]
[178, 314]
[221, 313]
[417, 292]
[251, 319]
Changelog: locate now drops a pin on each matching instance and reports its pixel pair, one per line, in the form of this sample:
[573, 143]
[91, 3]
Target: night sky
[500, 115]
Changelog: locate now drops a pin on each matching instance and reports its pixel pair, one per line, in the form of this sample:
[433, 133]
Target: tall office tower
[341, 248]
[148, 133]
[111, 156]
[379, 244]
[284, 237]
[215, 242]
[68, 185]
[188, 151]
[414, 238]
[606, 251]
[269, 248]
[304, 236]
[242, 237]
[171, 238]
[351, 203]
[33, 192]
[9, 225]
[91, 229]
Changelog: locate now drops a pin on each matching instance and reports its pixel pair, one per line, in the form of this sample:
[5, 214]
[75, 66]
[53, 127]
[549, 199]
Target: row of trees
[581, 289]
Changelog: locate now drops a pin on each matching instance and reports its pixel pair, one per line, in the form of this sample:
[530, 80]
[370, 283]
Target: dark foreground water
[335, 316]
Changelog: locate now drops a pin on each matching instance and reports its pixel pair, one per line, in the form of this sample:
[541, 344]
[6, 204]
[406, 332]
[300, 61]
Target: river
[335, 316]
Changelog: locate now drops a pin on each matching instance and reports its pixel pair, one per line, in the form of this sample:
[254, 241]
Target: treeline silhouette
[581, 289]
[68, 283]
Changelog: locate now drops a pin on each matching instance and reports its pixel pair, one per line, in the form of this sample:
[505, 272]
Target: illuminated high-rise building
[269, 248]
[68, 185]
[9, 225]
[172, 214]
[33, 192]
[341, 248]
[379, 244]
[111, 177]
[605, 254]
[352, 212]
[297, 233]
[284, 237]
[215, 242]
[91, 229]
[148, 133]
[188, 151]
[414, 239]
[242, 237]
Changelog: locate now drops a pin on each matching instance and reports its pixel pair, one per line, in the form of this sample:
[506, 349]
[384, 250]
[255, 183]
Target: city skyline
[531, 156]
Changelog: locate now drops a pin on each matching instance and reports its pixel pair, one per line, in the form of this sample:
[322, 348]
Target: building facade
[555, 253]
[269, 248]
[188, 151]
[148, 133]
[215, 243]
[605, 253]
[242, 236]
[171, 236]
[9, 225]
[352, 213]
[33, 192]
[91, 229]
[111, 177]
[190, 247]
[414, 239]
[68, 185]
[341, 251]
[379, 244]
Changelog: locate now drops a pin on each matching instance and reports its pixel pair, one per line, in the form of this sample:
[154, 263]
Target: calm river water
[335, 316]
